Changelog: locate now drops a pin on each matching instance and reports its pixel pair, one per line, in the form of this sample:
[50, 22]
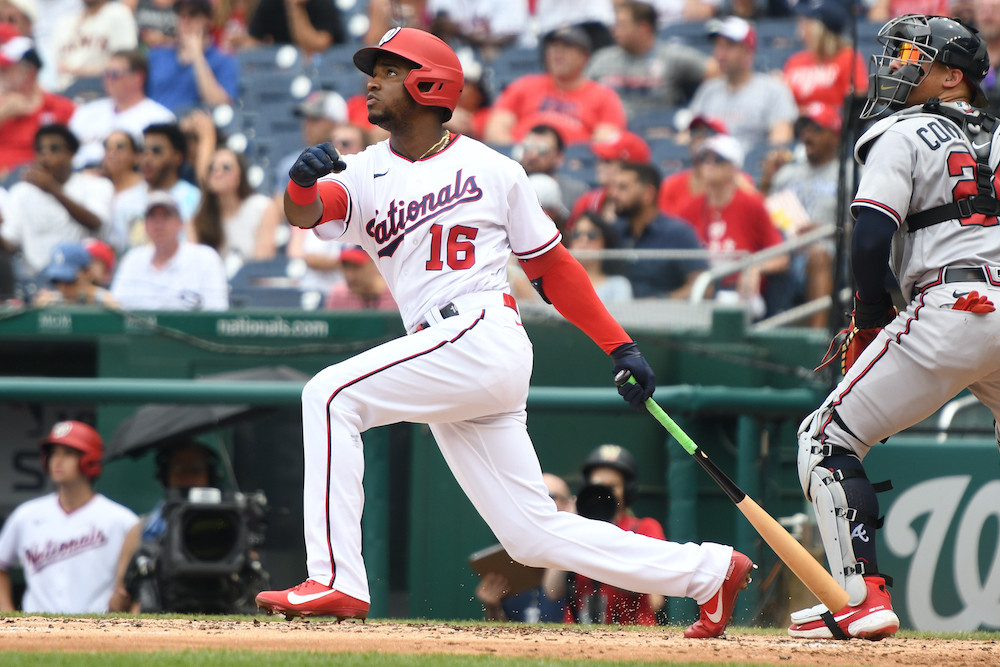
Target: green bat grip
[625, 377]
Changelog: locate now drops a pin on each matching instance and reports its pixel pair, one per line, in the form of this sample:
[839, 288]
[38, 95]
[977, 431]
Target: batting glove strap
[627, 357]
[316, 162]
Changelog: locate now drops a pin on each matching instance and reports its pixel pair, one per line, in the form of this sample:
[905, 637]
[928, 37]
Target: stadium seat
[691, 33]
[656, 124]
[270, 58]
[669, 156]
[334, 69]
[85, 89]
[255, 274]
[266, 297]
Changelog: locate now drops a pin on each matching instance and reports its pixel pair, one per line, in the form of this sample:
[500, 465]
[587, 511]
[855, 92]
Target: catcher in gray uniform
[926, 206]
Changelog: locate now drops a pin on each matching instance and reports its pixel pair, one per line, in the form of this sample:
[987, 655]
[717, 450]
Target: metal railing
[706, 278]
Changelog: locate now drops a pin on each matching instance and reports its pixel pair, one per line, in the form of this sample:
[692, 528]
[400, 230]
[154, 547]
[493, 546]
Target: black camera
[597, 501]
[205, 560]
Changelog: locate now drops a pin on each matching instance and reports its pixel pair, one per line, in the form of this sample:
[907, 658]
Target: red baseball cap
[354, 255]
[14, 48]
[711, 122]
[101, 251]
[825, 115]
[626, 146]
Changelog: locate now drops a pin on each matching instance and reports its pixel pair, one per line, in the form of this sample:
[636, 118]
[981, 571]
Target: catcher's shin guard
[834, 480]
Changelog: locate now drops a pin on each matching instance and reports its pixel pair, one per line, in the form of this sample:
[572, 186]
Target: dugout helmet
[436, 79]
[81, 437]
[913, 39]
[617, 458]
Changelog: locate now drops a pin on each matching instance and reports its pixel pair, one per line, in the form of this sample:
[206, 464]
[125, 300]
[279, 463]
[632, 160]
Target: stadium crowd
[144, 144]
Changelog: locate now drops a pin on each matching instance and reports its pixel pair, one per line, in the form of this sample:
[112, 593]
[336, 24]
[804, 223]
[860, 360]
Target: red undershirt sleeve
[335, 202]
[566, 284]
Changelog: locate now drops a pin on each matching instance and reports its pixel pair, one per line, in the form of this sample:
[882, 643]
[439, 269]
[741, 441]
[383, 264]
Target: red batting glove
[974, 303]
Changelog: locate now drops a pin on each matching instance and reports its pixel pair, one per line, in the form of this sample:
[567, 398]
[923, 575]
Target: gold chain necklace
[442, 142]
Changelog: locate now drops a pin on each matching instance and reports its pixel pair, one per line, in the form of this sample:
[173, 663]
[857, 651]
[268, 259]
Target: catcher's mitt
[867, 320]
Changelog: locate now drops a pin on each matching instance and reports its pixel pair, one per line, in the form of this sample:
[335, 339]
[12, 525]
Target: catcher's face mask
[905, 60]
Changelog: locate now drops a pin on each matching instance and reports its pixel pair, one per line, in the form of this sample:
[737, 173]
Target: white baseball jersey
[914, 161]
[436, 233]
[441, 230]
[69, 560]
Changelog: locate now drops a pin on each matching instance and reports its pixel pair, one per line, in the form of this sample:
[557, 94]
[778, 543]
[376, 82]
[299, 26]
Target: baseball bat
[816, 577]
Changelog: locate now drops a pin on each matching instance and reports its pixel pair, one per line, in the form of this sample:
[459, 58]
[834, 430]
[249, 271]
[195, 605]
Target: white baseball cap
[726, 147]
[735, 29]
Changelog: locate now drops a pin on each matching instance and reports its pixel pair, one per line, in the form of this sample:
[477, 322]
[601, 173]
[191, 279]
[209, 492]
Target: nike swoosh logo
[958, 294]
[716, 616]
[382, 174]
[981, 146]
[295, 598]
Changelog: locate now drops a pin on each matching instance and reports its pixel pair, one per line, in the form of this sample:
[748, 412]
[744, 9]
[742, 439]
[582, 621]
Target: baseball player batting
[926, 206]
[440, 214]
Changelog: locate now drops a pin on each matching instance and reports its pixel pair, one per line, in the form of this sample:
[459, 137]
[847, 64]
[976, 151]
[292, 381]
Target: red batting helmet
[436, 79]
[81, 437]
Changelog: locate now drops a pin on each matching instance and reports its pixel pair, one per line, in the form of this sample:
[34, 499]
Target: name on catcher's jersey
[921, 161]
[443, 226]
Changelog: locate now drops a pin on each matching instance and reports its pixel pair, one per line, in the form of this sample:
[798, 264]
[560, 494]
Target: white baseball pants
[467, 377]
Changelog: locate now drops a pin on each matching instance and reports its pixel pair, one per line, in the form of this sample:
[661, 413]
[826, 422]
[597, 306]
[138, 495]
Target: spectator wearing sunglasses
[52, 203]
[229, 216]
[164, 152]
[126, 107]
[592, 234]
[121, 164]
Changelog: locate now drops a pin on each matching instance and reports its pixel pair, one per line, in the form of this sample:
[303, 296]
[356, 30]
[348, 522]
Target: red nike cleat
[311, 598]
[873, 619]
[717, 612]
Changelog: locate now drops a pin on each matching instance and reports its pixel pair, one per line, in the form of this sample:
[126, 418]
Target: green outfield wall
[739, 394]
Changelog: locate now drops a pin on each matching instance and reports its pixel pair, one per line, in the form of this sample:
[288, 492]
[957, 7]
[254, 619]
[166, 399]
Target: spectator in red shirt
[612, 467]
[24, 106]
[363, 286]
[680, 187]
[579, 108]
[729, 219]
[822, 71]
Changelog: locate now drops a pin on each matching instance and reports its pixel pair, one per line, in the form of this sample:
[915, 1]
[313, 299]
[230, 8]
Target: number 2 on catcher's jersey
[958, 163]
[460, 252]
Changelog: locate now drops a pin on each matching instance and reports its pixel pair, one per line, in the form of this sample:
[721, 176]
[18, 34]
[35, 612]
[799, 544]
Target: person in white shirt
[86, 39]
[53, 203]
[67, 542]
[168, 273]
[125, 108]
[229, 216]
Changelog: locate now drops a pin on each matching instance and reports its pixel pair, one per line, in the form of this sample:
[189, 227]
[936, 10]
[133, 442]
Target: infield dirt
[132, 634]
